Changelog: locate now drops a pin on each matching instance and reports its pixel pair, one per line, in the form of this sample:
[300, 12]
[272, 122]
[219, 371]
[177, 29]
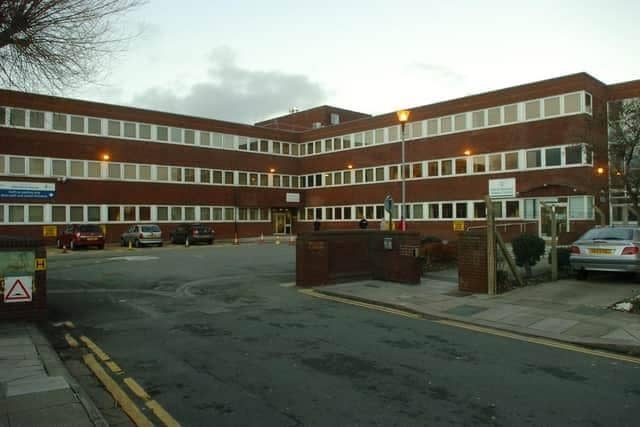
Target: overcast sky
[246, 61]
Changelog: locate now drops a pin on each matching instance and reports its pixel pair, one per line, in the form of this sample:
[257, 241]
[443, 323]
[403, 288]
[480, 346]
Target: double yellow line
[92, 360]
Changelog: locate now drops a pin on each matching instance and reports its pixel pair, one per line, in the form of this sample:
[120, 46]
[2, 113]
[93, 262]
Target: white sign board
[18, 289]
[293, 197]
[27, 190]
[502, 188]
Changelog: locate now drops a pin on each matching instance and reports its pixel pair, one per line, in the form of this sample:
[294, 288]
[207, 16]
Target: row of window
[538, 109]
[579, 207]
[52, 214]
[546, 157]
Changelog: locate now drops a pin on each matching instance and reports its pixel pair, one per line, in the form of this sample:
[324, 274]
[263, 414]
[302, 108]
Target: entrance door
[562, 220]
[281, 225]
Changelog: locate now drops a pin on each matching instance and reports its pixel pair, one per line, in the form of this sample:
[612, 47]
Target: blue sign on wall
[26, 190]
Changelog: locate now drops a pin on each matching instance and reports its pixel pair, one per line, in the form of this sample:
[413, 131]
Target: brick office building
[115, 165]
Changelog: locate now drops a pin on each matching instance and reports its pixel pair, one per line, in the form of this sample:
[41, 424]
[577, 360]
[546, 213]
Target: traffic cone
[291, 241]
[277, 240]
[235, 239]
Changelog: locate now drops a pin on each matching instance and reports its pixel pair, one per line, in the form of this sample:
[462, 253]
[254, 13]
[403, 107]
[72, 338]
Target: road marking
[312, 293]
[542, 341]
[163, 415]
[71, 341]
[117, 392]
[94, 348]
[114, 367]
[136, 388]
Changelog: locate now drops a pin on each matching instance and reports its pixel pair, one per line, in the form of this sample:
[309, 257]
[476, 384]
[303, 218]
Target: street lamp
[403, 117]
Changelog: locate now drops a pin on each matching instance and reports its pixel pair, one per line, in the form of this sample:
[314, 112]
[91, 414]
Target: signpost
[388, 206]
[26, 190]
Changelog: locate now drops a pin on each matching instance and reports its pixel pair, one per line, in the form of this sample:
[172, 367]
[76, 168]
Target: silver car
[141, 235]
[606, 249]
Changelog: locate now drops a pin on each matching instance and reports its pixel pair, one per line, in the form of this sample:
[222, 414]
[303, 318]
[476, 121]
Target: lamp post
[403, 117]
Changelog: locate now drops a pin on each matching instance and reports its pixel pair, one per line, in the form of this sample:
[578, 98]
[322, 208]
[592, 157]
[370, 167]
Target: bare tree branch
[57, 44]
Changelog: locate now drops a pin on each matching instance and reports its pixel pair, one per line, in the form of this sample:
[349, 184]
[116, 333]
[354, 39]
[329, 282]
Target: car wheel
[581, 274]
[210, 242]
[160, 244]
[137, 243]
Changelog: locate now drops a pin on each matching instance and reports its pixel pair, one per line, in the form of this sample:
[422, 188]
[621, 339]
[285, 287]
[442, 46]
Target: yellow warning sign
[458, 225]
[49, 231]
[41, 264]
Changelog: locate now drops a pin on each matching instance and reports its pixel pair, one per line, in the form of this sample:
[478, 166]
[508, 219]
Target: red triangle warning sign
[17, 289]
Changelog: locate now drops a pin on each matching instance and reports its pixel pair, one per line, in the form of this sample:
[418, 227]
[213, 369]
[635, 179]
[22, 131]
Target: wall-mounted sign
[502, 188]
[26, 190]
[293, 198]
[49, 231]
[458, 225]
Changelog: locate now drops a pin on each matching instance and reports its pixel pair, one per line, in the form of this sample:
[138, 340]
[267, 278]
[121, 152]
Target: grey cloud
[236, 94]
[440, 72]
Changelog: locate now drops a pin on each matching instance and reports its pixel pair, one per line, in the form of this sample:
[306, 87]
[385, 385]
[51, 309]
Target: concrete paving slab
[18, 340]
[38, 400]
[497, 313]
[621, 334]
[521, 319]
[588, 310]
[466, 310]
[555, 306]
[553, 324]
[15, 374]
[444, 305]
[588, 330]
[69, 415]
[16, 388]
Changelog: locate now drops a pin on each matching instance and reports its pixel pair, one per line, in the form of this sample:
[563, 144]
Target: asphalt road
[219, 337]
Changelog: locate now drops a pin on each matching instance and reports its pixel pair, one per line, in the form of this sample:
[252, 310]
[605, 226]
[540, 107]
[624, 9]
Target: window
[17, 117]
[162, 173]
[379, 174]
[379, 212]
[94, 170]
[447, 210]
[461, 166]
[275, 145]
[379, 136]
[94, 126]
[113, 128]
[76, 214]
[328, 179]
[162, 213]
[36, 119]
[205, 139]
[346, 141]
[532, 110]
[587, 103]
[368, 137]
[493, 116]
[59, 122]
[93, 213]
[176, 134]
[114, 171]
[162, 133]
[205, 176]
[130, 172]
[573, 154]
[446, 167]
[16, 213]
[511, 113]
[3, 117]
[346, 177]
[318, 147]
[176, 213]
[229, 214]
[144, 172]
[534, 159]
[1, 168]
[144, 213]
[36, 166]
[572, 103]
[359, 176]
[461, 210]
[242, 178]
[286, 181]
[77, 168]
[217, 177]
[445, 124]
[434, 210]
[176, 174]
[215, 216]
[513, 209]
[495, 162]
[479, 164]
[189, 213]
[393, 172]
[310, 148]
[264, 180]
[189, 137]
[36, 213]
[552, 106]
[216, 140]
[113, 213]
[477, 118]
[432, 127]
[417, 170]
[264, 146]
[337, 213]
[432, 168]
[417, 211]
[328, 145]
[253, 179]
[479, 210]
[460, 122]
[337, 178]
[530, 209]
[228, 178]
[77, 124]
[59, 167]
[17, 165]
[347, 213]
[511, 161]
[497, 209]
[144, 131]
[553, 157]
[294, 148]
[416, 129]
[129, 130]
[59, 214]
[368, 175]
[368, 212]
[358, 140]
[189, 175]
[577, 208]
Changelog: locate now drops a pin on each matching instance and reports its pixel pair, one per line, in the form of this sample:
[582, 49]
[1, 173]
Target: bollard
[291, 240]
[277, 240]
[64, 249]
[235, 239]
[130, 246]
[261, 238]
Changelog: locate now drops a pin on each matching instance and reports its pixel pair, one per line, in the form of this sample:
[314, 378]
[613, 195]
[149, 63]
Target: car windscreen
[89, 229]
[608, 233]
[150, 228]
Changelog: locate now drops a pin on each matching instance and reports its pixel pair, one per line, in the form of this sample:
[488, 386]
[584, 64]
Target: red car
[75, 236]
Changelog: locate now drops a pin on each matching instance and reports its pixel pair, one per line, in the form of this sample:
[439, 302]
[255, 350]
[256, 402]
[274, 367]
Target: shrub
[528, 249]
[563, 257]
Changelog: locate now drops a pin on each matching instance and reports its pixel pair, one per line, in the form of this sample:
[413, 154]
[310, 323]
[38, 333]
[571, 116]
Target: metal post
[491, 247]
[402, 167]
[554, 245]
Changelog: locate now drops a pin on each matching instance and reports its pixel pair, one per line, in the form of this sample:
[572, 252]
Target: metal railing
[522, 225]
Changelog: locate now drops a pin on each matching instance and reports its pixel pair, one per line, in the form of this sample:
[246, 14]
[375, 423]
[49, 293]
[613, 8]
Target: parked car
[141, 235]
[606, 249]
[192, 233]
[78, 235]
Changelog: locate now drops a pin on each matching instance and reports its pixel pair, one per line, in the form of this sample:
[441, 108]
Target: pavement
[566, 310]
[35, 387]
